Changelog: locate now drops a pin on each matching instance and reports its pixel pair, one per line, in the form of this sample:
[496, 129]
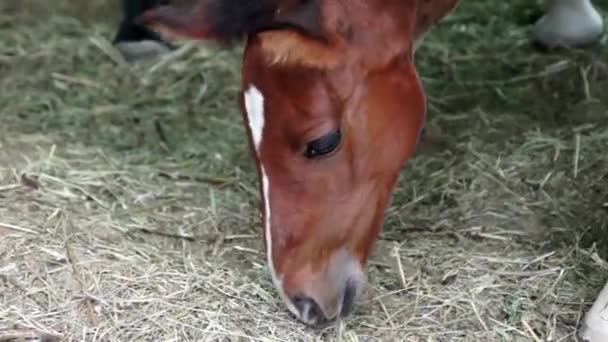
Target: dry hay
[128, 201]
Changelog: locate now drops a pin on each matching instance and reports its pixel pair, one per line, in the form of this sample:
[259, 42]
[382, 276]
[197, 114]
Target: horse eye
[324, 145]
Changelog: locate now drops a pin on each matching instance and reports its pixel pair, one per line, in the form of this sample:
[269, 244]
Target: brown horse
[334, 107]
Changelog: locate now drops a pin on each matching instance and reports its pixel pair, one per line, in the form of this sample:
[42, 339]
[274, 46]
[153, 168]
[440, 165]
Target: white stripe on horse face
[254, 107]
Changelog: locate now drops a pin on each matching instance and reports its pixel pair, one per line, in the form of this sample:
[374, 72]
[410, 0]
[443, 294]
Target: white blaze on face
[254, 107]
[595, 328]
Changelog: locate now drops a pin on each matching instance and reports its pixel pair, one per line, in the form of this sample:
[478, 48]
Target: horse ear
[429, 13]
[221, 20]
[229, 20]
[303, 16]
[290, 31]
[174, 23]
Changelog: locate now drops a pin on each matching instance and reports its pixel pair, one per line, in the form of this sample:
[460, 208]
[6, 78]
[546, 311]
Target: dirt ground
[128, 200]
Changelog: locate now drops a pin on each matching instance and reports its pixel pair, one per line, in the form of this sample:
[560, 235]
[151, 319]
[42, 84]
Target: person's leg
[135, 41]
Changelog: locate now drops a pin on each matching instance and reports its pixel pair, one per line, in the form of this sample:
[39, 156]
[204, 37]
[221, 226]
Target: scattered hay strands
[128, 202]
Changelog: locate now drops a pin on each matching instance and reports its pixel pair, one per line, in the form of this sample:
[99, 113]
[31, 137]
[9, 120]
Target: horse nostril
[310, 311]
[350, 293]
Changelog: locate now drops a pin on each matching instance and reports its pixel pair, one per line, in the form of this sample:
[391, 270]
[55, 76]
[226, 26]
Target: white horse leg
[595, 325]
[569, 23]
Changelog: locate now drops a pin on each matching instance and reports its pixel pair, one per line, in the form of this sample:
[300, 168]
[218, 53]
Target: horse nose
[310, 312]
[330, 293]
[320, 311]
